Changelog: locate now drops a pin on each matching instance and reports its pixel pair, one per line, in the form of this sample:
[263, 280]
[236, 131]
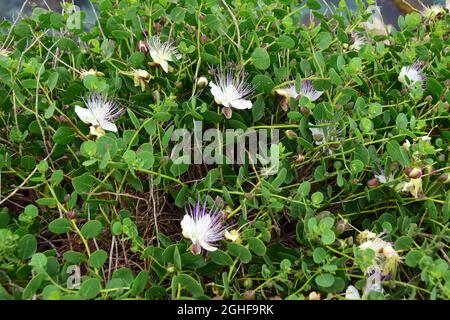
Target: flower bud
[444, 178]
[300, 158]
[304, 110]
[414, 173]
[372, 183]
[202, 82]
[249, 195]
[142, 46]
[71, 214]
[249, 295]
[429, 99]
[291, 134]
[203, 39]
[314, 296]
[196, 249]
[218, 202]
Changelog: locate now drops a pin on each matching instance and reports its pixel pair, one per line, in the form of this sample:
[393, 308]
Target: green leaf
[286, 42]
[91, 229]
[325, 280]
[356, 166]
[189, 283]
[33, 286]
[97, 259]
[319, 255]
[64, 135]
[74, 257]
[237, 250]
[38, 261]
[263, 83]
[397, 153]
[257, 246]
[84, 183]
[59, 226]
[90, 288]
[261, 58]
[26, 246]
[221, 258]
[323, 40]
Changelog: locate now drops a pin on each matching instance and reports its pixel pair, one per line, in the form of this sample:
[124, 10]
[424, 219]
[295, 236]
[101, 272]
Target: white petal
[207, 246]
[217, 93]
[188, 226]
[352, 293]
[164, 65]
[287, 92]
[85, 115]
[241, 104]
[108, 126]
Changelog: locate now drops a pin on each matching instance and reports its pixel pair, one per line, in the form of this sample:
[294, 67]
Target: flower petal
[86, 115]
[241, 104]
[108, 126]
[205, 245]
[219, 97]
[188, 226]
[352, 293]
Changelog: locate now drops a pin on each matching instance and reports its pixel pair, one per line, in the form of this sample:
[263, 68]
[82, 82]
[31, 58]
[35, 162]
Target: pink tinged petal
[86, 115]
[205, 245]
[196, 249]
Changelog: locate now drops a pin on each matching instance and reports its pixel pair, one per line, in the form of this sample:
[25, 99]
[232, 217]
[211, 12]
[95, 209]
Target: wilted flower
[358, 42]
[373, 284]
[432, 12]
[162, 52]
[231, 91]
[202, 228]
[413, 186]
[100, 112]
[412, 74]
[307, 90]
[92, 72]
[324, 135]
[140, 78]
[5, 52]
[382, 178]
[375, 24]
[233, 235]
[386, 258]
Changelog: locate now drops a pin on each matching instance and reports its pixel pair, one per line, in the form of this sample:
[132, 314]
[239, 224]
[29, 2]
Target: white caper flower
[231, 91]
[412, 74]
[100, 112]
[162, 52]
[307, 90]
[202, 228]
[386, 258]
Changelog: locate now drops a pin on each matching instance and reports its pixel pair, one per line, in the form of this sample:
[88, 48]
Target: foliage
[112, 205]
